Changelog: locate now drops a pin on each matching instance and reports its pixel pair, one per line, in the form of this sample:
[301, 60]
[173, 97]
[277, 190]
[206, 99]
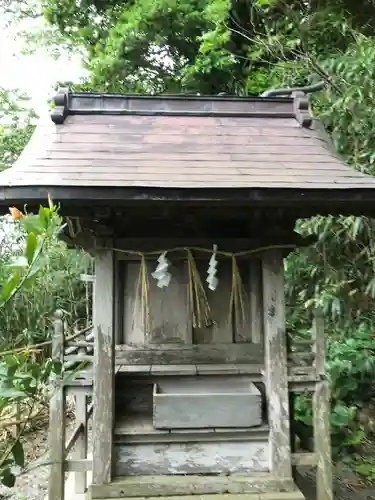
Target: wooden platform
[291, 495]
[139, 448]
[138, 428]
[191, 369]
[258, 486]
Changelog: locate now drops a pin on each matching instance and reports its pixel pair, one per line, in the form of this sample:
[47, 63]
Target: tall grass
[27, 318]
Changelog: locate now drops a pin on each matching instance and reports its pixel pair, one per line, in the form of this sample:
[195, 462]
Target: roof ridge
[127, 143]
[68, 103]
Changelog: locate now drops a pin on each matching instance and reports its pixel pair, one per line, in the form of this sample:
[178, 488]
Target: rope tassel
[200, 308]
[238, 298]
[143, 292]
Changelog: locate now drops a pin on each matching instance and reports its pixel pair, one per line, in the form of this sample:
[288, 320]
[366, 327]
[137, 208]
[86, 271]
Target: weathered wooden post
[56, 486]
[321, 415]
[17, 427]
[256, 301]
[103, 376]
[81, 414]
[276, 374]
[80, 448]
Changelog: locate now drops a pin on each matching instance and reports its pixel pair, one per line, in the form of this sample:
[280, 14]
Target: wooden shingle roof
[134, 141]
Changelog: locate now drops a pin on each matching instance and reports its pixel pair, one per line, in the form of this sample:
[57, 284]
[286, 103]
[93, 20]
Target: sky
[35, 74]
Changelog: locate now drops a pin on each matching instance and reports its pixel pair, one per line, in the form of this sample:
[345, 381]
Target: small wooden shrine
[188, 205]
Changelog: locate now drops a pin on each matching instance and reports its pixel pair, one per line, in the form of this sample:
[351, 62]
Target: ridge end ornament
[61, 106]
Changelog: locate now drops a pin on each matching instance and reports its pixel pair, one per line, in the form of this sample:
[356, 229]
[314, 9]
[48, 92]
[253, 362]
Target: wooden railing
[75, 354]
[307, 373]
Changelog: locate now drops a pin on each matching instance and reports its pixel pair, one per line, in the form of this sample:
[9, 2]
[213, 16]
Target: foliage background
[27, 318]
[38, 274]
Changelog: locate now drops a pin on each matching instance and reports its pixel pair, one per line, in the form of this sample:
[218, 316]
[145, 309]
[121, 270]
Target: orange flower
[15, 213]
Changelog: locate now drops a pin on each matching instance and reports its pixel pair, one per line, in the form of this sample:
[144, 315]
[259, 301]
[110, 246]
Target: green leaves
[350, 366]
[18, 262]
[16, 457]
[20, 376]
[7, 477]
[44, 217]
[31, 246]
[342, 415]
[16, 126]
[265, 3]
[9, 287]
[11, 393]
[32, 223]
[21, 380]
[18, 454]
[39, 229]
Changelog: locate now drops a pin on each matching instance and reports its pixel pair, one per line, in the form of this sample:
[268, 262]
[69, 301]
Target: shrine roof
[189, 143]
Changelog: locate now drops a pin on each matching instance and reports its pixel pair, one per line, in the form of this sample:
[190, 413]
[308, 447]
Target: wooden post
[17, 427]
[291, 411]
[276, 371]
[80, 449]
[56, 485]
[103, 376]
[256, 301]
[119, 287]
[88, 279]
[321, 415]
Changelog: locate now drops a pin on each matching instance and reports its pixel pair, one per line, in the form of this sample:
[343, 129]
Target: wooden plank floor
[141, 424]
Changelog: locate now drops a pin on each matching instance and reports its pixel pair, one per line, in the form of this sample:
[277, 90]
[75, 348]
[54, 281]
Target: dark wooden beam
[304, 202]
